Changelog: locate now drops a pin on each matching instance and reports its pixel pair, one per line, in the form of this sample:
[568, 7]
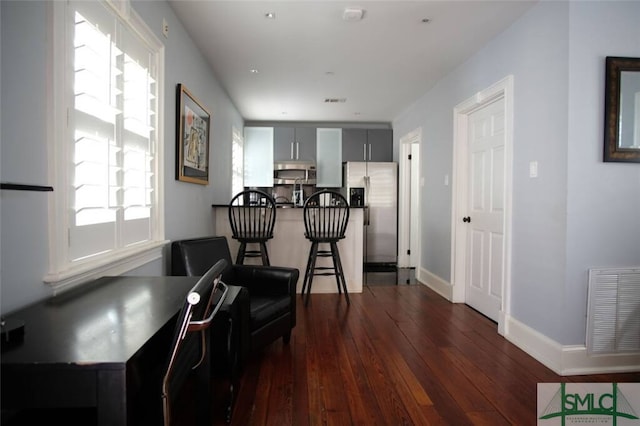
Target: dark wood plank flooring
[399, 355]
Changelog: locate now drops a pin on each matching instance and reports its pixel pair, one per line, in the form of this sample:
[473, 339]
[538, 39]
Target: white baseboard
[435, 283]
[534, 343]
[570, 360]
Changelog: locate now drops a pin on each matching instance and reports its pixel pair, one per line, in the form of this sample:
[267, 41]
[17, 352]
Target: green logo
[565, 404]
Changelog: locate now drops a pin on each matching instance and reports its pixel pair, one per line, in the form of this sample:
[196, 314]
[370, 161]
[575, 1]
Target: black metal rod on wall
[23, 187]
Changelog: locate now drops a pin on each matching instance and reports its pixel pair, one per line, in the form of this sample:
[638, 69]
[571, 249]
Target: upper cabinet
[354, 144]
[367, 145]
[294, 143]
[326, 147]
[283, 143]
[329, 158]
[258, 156]
[380, 144]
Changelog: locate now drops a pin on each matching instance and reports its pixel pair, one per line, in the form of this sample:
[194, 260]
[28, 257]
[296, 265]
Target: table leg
[112, 397]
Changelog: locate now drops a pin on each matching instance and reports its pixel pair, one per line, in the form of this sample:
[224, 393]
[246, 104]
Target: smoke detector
[352, 15]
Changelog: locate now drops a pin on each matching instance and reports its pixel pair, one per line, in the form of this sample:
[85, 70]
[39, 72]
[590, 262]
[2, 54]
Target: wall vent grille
[613, 313]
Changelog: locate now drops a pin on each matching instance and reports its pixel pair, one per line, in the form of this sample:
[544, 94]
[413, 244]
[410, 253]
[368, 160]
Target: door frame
[404, 205]
[462, 111]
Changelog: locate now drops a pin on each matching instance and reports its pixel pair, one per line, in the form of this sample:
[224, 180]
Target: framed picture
[622, 110]
[192, 146]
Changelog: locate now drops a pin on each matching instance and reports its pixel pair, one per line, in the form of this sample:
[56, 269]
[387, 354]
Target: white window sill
[118, 264]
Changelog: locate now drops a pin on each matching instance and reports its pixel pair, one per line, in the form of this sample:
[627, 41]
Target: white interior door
[485, 219]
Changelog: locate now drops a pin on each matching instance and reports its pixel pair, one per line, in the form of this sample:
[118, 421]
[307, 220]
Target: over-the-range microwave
[294, 172]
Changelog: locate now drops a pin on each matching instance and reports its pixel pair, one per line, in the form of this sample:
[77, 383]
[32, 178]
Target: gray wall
[603, 202]
[562, 220]
[23, 216]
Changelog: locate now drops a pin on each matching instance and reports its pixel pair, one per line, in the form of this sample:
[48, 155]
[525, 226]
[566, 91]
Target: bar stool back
[252, 216]
[326, 215]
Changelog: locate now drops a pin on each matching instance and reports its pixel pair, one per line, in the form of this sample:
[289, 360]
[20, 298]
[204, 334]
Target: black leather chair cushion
[264, 309]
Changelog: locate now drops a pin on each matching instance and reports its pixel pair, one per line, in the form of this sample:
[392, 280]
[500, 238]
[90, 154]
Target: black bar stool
[252, 215]
[326, 215]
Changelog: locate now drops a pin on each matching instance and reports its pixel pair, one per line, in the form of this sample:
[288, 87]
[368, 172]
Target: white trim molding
[123, 262]
[435, 283]
[567, 360]
[404, 204]
[501, 89]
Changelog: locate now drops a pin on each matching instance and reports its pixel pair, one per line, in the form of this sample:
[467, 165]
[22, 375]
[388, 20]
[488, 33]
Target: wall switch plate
[165, 28]
[533, 169]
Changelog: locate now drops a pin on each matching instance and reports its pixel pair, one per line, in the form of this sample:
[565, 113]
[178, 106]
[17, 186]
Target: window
[106, 209]
[237, 162]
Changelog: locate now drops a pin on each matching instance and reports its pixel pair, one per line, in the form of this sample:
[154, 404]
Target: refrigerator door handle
[367, 181]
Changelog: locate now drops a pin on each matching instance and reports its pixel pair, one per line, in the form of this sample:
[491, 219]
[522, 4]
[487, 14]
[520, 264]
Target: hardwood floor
[399, 355]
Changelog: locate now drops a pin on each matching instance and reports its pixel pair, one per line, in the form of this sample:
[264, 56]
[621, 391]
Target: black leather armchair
[272, 289]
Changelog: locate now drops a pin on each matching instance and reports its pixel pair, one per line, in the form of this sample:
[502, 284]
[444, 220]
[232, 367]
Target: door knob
[466, 219]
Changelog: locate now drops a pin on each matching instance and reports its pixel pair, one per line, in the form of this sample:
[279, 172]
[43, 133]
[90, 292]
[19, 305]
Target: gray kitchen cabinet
[283, 143]
[306, 139]
[354, 143]
[367, 145]
[294, 143]
[258, 156]
[380, 144]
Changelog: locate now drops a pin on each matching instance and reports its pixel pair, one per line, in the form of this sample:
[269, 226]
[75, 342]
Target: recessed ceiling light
[270, 15]
[352, 14]
[254, 71]
[425, 20]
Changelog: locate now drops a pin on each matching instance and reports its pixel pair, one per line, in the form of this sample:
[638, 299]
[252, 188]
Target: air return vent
[613, 314]
[335, 100]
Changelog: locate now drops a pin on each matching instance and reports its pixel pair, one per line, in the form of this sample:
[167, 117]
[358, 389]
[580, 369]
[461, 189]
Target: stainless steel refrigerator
[375, 185]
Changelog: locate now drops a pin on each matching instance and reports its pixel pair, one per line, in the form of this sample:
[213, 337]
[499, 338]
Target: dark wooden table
[104, 345]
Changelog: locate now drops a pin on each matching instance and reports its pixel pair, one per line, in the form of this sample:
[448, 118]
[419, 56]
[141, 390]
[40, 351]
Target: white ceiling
[308, 53]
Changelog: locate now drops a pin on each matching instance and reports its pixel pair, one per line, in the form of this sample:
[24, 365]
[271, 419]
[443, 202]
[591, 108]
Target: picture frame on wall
[622, 110]
[192, 145]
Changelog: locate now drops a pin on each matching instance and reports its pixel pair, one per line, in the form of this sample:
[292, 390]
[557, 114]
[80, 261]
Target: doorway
[481, 214]
[409, 202]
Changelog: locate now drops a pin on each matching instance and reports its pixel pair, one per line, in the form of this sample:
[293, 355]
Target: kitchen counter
[290, 248]
[283, 206]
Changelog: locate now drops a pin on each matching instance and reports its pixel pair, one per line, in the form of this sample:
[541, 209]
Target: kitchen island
[290, 248]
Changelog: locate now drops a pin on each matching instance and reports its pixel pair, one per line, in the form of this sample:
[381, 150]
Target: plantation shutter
[112, 134]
